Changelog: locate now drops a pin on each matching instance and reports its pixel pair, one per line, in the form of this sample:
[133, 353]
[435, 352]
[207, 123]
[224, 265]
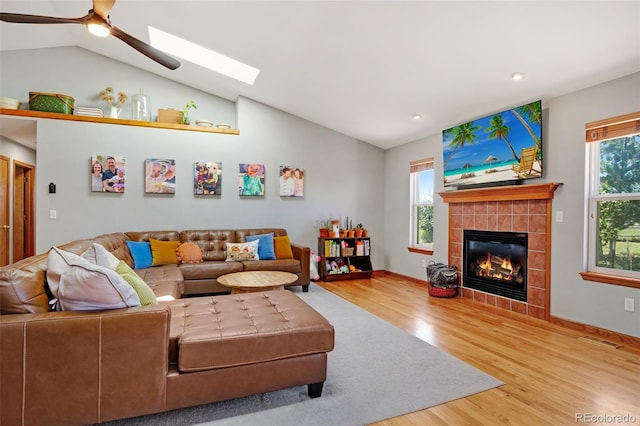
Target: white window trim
[420, 165]
[594, 198]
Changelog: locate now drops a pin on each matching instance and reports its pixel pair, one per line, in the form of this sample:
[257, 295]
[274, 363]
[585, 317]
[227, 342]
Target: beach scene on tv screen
[502, 147]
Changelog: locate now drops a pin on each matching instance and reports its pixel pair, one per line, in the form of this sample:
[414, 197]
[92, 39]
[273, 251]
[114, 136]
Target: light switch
[53, 214]
[559, 216]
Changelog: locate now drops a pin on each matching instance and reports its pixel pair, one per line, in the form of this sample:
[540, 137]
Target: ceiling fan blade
[103, 7]
[146, 49]
[20, 18]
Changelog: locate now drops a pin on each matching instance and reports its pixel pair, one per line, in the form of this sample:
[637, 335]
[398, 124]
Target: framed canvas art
[207, 178]
[251, 179]
[107, 173]
[160, 177]
[291, 181]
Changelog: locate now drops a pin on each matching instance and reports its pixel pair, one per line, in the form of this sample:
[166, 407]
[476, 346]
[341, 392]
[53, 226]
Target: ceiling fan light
[98, 30]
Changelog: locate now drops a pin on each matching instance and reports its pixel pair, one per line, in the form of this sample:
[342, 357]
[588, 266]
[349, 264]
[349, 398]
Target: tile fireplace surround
[519, 208]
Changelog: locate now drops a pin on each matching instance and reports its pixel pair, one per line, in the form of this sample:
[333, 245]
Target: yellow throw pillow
[163, 252]
[282, 247]
[146, 295]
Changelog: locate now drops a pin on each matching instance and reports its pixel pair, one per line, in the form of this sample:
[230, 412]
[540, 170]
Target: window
[421, 220]
[614, 199]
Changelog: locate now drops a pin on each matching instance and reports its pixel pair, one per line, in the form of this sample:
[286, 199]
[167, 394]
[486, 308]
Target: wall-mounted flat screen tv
[502, 148]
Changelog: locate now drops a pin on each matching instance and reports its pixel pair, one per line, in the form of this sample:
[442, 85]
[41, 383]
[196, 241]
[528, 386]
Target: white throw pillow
[98, 255]
[237, 252]
[79, 285]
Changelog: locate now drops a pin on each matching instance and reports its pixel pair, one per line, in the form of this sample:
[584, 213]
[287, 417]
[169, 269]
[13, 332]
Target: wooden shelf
[122, 122]
[543, 191]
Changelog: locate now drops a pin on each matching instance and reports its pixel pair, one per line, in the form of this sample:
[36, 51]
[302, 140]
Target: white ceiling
[363, 68]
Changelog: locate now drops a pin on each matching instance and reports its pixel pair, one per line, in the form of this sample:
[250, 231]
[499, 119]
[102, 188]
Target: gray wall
[343, 176]
[572, 298]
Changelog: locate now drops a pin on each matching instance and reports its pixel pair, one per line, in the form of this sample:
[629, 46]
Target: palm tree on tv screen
[462, 134]
[499, 130]
[533, 113]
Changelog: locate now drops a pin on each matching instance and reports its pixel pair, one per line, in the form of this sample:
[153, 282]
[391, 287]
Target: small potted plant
[185, 112]
[358, 230]
[335, 225]
[324, 228]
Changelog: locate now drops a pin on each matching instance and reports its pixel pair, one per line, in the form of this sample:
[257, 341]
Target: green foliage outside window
[425, 225]
[618, 233]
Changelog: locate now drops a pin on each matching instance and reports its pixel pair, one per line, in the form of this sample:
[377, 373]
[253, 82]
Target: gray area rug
[376, 371]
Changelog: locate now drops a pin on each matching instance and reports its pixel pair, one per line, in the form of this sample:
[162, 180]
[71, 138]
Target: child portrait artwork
[251, 179]
[107, 173]
[207, 178]
[160, 176]
[291, 181]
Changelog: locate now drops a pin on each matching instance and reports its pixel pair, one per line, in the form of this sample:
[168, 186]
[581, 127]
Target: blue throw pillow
[265, 246]
[141, 253]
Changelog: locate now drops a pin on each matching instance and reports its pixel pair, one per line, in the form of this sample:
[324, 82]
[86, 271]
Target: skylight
[202, 56]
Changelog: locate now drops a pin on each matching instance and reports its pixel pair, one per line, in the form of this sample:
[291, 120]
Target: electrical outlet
[424, 263]
[629, 304]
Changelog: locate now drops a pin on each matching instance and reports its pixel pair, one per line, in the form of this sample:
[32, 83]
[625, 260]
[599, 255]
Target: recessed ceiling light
[202, 56]
[517, 76]
[417, 116]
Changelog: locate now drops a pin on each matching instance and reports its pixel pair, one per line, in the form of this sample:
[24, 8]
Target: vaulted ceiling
[364, 68]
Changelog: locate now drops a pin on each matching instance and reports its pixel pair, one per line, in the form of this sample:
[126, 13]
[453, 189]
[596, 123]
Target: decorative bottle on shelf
[140, 107]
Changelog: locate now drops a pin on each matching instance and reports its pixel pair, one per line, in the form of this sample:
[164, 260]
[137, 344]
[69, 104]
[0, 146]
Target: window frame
[415, 168]
[596, 132]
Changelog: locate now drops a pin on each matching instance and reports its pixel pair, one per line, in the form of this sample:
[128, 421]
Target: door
[4, 209]
[23, 210]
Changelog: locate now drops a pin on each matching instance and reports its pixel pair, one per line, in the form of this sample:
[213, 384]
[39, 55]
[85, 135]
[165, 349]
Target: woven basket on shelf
[347, 251]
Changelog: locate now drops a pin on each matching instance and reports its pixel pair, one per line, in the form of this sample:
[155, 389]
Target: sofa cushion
[245, 329]
[211, 242]
[212, 269]
[165, 280]
[141, 253]
[189, 253]
[23, 286]
[265, 246]
[282, 247]
[286, 265]
[80, 285]
[242, 251]
[164, 252]
[144, 292]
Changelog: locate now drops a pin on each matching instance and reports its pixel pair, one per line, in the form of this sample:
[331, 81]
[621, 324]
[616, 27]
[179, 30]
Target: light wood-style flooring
[553, 374]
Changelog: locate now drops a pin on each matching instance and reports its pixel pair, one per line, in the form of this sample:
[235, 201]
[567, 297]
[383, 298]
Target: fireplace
[496, 263]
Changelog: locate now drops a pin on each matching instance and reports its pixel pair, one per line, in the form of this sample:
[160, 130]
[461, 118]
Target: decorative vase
[140, 107]
[114, 112]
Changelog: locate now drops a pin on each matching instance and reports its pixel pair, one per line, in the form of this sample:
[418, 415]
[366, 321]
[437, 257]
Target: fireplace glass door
[496, 263]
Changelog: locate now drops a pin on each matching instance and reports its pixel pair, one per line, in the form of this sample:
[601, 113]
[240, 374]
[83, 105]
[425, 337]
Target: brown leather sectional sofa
[93, 366]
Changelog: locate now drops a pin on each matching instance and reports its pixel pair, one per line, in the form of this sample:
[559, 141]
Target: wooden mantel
[542, 191]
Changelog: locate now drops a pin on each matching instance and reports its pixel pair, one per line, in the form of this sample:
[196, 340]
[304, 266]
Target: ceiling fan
[98, 23]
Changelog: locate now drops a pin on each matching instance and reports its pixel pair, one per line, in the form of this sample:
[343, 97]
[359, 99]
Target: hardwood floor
[552, 374]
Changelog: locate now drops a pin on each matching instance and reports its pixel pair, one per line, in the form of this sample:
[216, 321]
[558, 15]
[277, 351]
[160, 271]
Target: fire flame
[487, 270]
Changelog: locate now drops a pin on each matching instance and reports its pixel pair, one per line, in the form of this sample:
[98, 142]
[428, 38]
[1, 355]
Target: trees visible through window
[614, 200]
[421, 220]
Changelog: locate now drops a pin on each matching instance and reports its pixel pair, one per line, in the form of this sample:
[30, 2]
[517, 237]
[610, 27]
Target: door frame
[5, 202]
[28, 238]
